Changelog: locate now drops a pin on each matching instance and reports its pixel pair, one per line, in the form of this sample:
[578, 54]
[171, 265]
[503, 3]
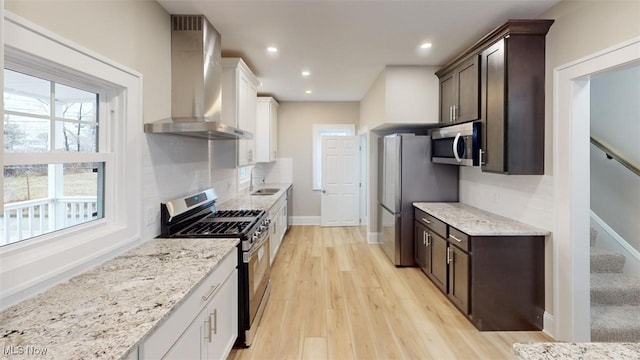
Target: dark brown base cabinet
[496, 281]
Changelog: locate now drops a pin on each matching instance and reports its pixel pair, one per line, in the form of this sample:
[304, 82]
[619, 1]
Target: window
[74, 123]
[243, 177]
[320, 130]
[43, 118]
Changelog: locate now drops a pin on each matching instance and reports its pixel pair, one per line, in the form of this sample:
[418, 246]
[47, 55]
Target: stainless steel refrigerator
[408, 176]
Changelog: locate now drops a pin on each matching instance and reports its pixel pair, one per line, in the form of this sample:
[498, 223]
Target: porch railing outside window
[27, 219]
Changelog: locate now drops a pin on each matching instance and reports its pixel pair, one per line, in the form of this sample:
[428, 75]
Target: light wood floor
[333, 296]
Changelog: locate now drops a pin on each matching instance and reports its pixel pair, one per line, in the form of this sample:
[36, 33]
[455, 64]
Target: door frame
[571, 129]
[364, 217]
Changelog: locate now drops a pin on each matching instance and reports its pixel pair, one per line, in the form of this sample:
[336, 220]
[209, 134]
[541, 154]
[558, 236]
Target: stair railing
[615, 154]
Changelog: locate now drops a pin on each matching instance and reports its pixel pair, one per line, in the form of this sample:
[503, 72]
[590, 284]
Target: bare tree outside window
[43, 116]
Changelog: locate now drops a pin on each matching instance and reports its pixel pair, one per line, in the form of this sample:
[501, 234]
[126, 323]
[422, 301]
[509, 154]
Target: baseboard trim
[305, 220]
[373, 238]
[548, 324]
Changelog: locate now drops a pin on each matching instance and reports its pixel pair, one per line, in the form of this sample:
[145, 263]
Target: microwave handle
[455, 147]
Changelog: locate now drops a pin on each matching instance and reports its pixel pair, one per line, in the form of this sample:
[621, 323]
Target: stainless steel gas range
[195, 216]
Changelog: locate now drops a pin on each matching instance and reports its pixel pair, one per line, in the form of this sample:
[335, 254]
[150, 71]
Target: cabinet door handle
[451, 113]
[213, 289]
[207, 329]
[448, 256]
[455, 112]
[455, 238]
[424, 238]
[426, 220]
[480, 155]
[215, 322]
[428, 239]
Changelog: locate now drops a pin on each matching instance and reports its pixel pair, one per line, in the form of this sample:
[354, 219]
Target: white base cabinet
[205, 326]
[278, 226]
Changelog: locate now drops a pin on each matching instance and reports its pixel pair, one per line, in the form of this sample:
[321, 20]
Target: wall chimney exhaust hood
[196, 83]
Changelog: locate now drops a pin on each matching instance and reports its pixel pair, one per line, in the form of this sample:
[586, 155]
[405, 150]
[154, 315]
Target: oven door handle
[455, 147]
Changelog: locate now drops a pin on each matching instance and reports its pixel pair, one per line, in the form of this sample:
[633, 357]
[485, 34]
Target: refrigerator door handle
[389, 210]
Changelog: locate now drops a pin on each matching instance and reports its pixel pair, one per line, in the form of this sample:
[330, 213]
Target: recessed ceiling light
[425, 46]
[306, 73]
[308, 92]
[272, 49]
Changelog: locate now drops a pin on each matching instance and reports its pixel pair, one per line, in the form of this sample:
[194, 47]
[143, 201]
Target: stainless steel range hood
[196, 83]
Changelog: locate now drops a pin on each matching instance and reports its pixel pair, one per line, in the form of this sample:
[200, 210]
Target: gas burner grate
[218, 228]
[235, 213]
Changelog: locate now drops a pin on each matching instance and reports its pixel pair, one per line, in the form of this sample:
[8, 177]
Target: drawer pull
[427, 221]
[215, 322]
[213, 289]
[455, 238]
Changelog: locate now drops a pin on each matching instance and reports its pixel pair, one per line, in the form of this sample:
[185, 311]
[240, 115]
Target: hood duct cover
[196, 83]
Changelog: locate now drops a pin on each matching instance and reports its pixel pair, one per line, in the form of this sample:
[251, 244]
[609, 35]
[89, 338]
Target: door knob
[324, 191]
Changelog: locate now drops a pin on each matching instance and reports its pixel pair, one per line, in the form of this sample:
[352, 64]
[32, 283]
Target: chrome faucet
[251, 178]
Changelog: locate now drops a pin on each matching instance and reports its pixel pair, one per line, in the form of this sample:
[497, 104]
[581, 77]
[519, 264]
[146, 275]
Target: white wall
[615, 114]
[401, 96]
[372, 113]
[372, 105]
[411, 94]
[295, 120]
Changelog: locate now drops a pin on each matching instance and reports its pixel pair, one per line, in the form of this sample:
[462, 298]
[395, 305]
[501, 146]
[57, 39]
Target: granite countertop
[109, 310]
[571, 351]
[245, 201]
[476, 222]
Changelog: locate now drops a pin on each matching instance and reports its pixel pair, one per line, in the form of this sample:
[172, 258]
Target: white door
[340, 181]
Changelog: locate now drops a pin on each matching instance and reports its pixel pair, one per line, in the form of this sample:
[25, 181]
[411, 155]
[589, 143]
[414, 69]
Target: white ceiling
[346, 44]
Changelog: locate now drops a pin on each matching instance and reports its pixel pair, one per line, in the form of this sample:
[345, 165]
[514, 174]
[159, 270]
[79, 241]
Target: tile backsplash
[174, 166]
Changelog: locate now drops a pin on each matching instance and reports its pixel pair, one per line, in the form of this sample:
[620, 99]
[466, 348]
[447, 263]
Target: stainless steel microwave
[457, 144]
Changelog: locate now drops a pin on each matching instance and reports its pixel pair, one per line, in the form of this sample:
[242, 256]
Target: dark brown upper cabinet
[459, 87]
[510, 69]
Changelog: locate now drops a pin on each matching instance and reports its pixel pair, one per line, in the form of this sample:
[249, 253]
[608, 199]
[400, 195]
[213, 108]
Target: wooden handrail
[613, 153]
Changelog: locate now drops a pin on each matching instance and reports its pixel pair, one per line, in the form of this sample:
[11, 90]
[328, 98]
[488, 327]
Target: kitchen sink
[265, 191]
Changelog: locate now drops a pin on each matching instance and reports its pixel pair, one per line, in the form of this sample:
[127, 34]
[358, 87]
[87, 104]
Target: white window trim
[31, 266]
[244, 180]
[2, 102]
[317, 144]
